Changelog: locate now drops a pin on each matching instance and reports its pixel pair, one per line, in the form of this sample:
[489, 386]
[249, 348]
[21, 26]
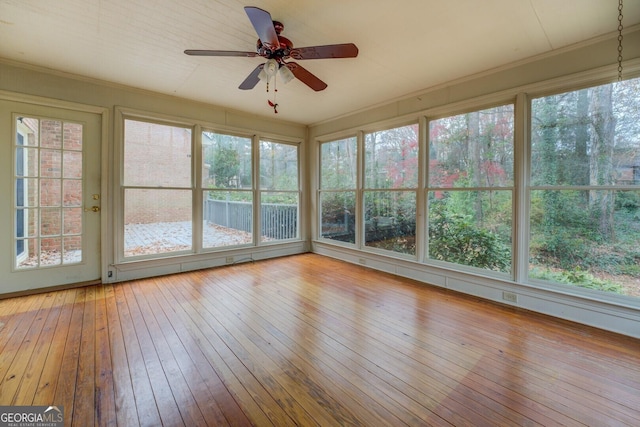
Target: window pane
[391, 159]
[279, 216]
[586, 238]
[228, 218]
[156, 155]
[156, 221]
[337, 213]
[390, 220]
[471, 228]
[472, 150]
[226, 161]
[338, 164]
[278, 166]
[587, 137]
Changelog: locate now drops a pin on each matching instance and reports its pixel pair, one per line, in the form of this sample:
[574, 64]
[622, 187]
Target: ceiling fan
[276, 49]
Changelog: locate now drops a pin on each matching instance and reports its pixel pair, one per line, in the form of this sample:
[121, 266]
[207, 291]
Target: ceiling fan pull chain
[274, 104]
[620, 27]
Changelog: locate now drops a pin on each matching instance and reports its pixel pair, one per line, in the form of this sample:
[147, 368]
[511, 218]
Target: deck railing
[278, 221]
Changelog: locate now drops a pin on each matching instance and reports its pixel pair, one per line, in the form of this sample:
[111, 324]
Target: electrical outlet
[510, 296]
[362, 261]
[228, 259]
[109, 273]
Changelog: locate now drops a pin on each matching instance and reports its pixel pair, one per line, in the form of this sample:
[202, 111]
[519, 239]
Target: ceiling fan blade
[263, 24]
[346, 50]
[252, 79]
[306, 77]
[206, 52]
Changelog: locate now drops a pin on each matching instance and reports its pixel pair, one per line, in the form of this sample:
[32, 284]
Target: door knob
[92, 209]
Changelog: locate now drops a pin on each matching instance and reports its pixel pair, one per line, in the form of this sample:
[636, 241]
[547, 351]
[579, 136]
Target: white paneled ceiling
[405, 46]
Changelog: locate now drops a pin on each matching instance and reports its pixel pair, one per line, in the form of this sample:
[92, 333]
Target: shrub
[454, 238]
[578, 278]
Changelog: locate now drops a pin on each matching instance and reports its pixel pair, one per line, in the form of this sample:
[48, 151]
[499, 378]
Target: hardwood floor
[307, 340]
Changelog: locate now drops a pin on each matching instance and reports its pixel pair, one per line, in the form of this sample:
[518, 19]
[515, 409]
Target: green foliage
[226, 166]
[283, 198]
[576, 277]
[628, 200]
[455, 238]
[231, 196]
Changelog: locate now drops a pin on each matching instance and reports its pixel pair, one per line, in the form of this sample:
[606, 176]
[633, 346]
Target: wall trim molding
[620, 317]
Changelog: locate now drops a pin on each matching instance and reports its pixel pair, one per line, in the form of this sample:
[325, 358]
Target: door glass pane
[72, 164]
[47, 182]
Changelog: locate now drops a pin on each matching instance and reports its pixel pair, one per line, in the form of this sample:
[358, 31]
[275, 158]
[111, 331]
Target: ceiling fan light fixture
[269, 70]
[285, 74]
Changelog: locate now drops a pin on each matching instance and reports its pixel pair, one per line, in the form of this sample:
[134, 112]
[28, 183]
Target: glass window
[585, 188]
[227, 184]
[156, 155]
[338, 164]
[471, 188]
[390, 220]
[279, 191]
[391, 159]
[338, 178]
[391, 163]
[471, 228]
[157, 189]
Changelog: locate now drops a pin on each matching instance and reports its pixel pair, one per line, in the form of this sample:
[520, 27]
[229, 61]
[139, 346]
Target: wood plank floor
[307, 340]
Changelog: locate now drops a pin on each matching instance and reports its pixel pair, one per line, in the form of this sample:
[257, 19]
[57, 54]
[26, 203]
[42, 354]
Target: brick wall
[157, 156]
[58, 192]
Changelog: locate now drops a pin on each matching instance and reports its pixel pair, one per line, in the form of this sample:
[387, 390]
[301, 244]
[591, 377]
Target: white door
[50, 186]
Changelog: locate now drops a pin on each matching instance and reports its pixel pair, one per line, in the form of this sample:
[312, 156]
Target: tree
[601, 159]
[226, 167]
